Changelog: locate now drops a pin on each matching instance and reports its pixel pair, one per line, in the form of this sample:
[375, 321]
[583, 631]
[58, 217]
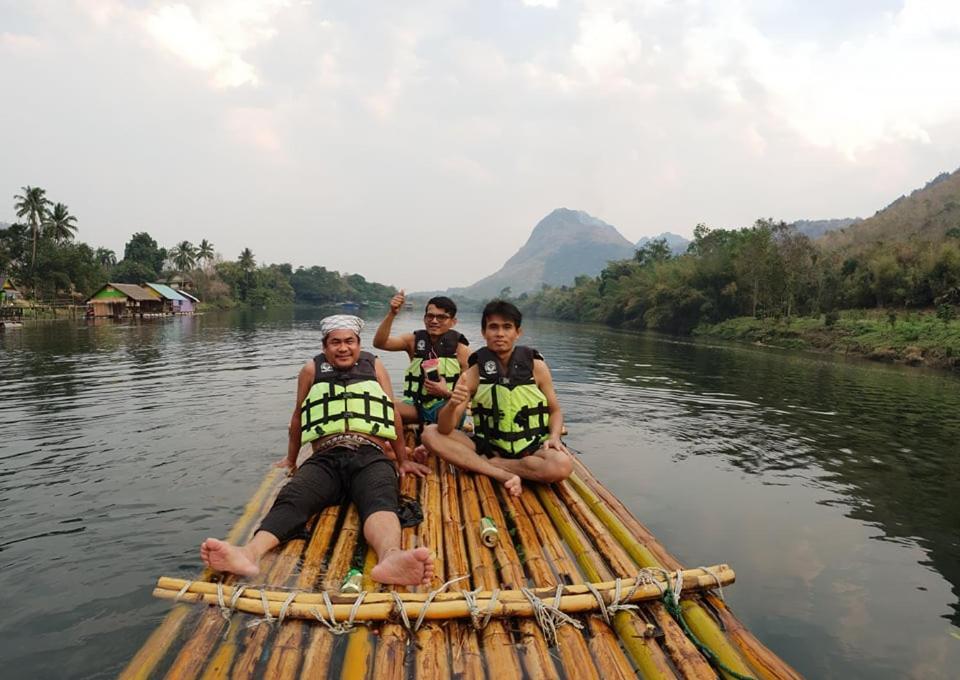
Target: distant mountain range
[564, 244]
[678, 244]
[817, 228]
[927, 214]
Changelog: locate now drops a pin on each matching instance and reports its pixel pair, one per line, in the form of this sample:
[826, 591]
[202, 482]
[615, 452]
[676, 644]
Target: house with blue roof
[173, 301]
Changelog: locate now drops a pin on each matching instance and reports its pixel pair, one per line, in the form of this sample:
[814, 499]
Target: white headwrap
[339, 322]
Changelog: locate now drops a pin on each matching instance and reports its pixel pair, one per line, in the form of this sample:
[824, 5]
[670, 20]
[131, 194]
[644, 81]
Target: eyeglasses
[436, 317]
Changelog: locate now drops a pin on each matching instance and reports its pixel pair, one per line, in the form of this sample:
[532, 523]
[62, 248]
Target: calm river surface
[831, 486]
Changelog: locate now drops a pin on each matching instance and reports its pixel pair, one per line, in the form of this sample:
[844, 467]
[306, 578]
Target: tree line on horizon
[766, 270]
[41, 254]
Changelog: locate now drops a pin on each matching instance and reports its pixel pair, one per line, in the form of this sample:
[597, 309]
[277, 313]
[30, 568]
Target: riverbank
[901, 336]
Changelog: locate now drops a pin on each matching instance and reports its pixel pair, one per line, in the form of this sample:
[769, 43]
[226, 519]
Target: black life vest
[445, 350]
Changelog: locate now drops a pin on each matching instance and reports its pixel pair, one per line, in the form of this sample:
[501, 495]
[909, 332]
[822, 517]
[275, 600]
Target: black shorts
[364, 476]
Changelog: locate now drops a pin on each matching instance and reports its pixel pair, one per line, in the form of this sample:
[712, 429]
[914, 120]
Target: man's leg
[312, 488]
[544, 465]
[408, 412]
[374, 488]
[459, 449]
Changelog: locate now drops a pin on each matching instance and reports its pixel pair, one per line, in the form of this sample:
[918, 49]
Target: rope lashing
[426, 605]
[716, 578]
[549, 617]
[267, 618]
[182, 591]
[480, 619]
[286, 603]
[671, 601]
[226, 611]
[331, 624]
[398, 603]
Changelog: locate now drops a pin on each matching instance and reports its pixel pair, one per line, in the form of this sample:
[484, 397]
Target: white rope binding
[549, 617]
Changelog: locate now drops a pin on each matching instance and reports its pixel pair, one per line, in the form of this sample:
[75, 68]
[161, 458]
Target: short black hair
[501, 308]
[444, 303]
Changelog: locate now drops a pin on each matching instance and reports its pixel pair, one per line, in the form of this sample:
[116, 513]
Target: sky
[418, 143]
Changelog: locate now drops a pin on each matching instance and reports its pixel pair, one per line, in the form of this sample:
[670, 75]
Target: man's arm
[399, 445]
[544, 380]
[452, 411]
[463, 356]
[304, 383]
[393, 343]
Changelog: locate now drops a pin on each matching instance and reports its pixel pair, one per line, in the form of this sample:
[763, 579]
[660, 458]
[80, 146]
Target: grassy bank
[911, 337]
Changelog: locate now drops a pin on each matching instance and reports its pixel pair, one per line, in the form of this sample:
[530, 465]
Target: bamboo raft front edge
[574, 533]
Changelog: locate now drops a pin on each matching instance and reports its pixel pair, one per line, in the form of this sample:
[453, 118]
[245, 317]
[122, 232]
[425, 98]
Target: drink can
[353, 583]
[488, 532]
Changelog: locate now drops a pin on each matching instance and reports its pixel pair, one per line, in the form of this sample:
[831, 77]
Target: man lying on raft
[345, 408]
[516, 416]
[436, 350]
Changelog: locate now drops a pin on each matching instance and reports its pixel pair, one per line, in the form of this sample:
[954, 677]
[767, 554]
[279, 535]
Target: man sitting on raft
[516, 416]
[345, 408]
[437, 351]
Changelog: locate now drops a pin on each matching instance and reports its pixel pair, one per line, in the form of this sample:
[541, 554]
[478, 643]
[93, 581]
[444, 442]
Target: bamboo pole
[537, 657]
[539, 538]
[693, 579]
[358, 658]
[465, 659]
[498, 649]
[390, 659]
[142, 664]
[646, 654]
[699, 621]
[685, 656]
[431, 659]
[767, 664]
[287, 654]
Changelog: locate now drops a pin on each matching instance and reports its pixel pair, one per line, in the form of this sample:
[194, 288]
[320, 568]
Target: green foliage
[946, 313]
[131, 271]
[143, 249]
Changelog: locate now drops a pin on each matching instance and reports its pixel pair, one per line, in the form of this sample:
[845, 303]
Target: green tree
[184, 256]
[32, 204]
[131, 271]
[143, 249]
[60, 225]
[652, 252]
[205, 251]
[105, 257]
[247, 265]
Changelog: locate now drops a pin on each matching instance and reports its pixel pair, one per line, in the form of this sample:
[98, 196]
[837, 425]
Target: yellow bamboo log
[700, 622]
[683, 652]
[431, 659]
[541, 545]
[390, 658]
[645, 653]
[358, 658]
[287, 653]
[465, 659]
[767, 664]
[498, 649]
[143, 663]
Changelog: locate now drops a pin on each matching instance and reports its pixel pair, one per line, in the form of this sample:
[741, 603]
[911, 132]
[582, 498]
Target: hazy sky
[418, 143]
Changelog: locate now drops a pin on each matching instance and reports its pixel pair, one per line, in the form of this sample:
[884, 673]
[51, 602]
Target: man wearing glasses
[438, 355]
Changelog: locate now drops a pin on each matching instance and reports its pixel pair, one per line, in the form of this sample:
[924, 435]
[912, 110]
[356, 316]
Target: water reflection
[830, 485]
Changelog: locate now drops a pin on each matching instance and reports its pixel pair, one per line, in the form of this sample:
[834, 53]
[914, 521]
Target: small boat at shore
[562, 581]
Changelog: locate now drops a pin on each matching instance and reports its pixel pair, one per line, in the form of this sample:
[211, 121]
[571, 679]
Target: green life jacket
[445, 351]
[346, 401]
[510, 413]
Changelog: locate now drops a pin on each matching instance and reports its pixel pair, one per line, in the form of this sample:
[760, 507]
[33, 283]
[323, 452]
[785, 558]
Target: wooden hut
[173, 301]
[8, 291]
[119, 300]
[189, 305]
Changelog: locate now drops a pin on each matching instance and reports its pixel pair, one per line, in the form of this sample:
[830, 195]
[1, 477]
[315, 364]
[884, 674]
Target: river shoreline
[891, 336]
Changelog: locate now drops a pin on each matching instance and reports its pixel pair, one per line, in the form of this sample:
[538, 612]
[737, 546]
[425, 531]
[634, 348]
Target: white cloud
[20, 44]
[215, 38]
[607, 47]
[550, 4]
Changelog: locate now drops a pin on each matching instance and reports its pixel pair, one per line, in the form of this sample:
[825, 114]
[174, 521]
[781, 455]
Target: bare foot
[404, 567]
[221, 556]
[513, 486]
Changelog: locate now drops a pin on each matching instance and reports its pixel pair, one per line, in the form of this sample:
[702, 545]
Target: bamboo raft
[609, 620]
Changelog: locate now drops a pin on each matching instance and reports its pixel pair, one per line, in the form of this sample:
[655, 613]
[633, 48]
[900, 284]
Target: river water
[831, 486]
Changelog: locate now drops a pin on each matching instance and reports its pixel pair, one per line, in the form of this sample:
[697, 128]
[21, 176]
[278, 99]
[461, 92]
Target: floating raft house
[575, 587]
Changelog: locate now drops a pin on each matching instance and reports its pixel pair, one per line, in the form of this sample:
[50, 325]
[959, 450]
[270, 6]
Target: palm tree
[60, 224]
[184, 256]
[32, 204]
[205, 251]
[246, 261]
[105, 257]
